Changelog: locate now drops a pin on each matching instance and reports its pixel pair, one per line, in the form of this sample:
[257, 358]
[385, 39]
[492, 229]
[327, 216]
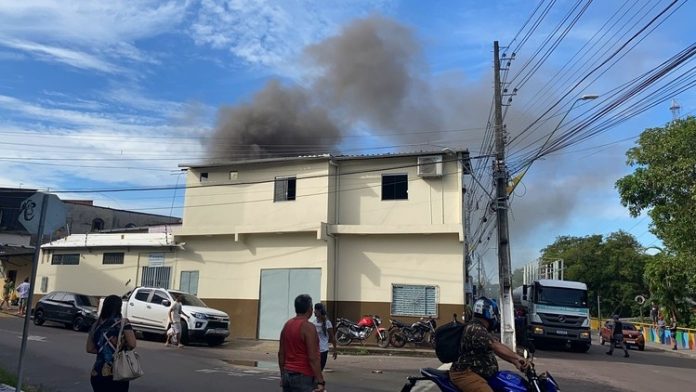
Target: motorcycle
[422, 331]
[503, 381]
[347, 331]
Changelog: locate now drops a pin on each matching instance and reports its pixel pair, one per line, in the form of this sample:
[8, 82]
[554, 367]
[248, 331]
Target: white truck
[554, 310]
[147, 309]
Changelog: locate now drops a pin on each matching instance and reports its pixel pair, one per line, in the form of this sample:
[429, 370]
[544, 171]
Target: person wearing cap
[617, 337]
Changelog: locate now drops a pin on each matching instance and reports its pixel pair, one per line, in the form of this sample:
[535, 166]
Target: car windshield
[188, 299]
[628, 327]
[86, 300]
[561, 297]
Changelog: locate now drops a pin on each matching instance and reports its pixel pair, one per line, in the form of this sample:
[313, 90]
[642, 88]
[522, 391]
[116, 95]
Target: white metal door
[279, 287]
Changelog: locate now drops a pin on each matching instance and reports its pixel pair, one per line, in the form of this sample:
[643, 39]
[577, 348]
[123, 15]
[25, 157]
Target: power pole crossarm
[501, 178]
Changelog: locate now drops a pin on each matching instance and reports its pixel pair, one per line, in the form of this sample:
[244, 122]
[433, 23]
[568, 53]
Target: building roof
[105, 240]
[319, 157]
[15, 250]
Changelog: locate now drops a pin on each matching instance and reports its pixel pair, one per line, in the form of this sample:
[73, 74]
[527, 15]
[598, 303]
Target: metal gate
[279, 287]
[156, 277]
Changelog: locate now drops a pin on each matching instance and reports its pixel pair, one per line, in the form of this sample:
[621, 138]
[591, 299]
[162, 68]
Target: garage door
[279, 287]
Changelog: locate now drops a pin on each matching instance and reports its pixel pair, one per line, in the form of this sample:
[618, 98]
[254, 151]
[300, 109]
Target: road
[56, 361]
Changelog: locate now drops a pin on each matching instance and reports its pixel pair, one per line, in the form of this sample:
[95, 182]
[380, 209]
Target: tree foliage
[672, 281]
[664, 182]
[612, 268]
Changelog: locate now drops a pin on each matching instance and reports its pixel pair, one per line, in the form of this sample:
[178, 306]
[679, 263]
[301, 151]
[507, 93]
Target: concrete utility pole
[466, 223]
[507, 321]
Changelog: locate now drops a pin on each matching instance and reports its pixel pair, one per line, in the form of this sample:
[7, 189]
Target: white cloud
[269, 33]
[74, 58]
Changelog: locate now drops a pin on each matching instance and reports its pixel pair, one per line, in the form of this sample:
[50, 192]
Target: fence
[685, 337]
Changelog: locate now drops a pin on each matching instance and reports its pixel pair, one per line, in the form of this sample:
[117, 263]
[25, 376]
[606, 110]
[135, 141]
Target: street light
[585, 97]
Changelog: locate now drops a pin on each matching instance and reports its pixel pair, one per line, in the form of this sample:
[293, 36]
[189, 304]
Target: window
[142, 295]
[67, 259]
[284, 188]
[69, 298]
[394, 187]
[414, 300]
[97, 224]
[44, 284]
[156, 277]
[234, 175]
[158, 297]
[203, 177]
[113, 258]
[189, 282]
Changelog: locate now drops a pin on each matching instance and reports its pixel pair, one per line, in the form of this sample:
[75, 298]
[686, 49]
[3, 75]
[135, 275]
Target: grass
[10, 378]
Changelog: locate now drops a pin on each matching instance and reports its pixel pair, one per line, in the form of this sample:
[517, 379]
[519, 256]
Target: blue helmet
[487, 309]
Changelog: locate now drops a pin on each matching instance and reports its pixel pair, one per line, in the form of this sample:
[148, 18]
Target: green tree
[612, 268]
[672, 279]
[664, 182]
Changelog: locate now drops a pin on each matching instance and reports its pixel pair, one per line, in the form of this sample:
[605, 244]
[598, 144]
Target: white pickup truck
[147, 309]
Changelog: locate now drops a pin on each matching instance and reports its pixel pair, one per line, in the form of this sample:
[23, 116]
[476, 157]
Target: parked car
[74, 310]
[632, 335]
[147, 309]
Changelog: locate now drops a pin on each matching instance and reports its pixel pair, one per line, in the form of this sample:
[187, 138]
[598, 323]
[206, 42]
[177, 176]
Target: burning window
[284, 188]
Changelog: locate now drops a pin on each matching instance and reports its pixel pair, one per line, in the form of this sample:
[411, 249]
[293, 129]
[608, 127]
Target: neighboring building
[364, 234]
[82, 216]
[102, 264]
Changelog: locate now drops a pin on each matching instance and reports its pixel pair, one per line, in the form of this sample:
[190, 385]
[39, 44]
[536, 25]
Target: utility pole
[466, 222]
[507, 321]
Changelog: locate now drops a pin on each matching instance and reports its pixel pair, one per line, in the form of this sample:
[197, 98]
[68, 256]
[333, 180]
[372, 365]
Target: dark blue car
[74, 310]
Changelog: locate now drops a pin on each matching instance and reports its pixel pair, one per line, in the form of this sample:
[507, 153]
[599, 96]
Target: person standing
[23, 292]
[175, 322]
[325, 332]
[661, 328]
[7, 290]
[103, 340]
[673, 331]
[653, 314]
[298, 353]
[617, 337]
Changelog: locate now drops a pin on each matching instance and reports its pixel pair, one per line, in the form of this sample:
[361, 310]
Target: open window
[285, 189]
[394, 187]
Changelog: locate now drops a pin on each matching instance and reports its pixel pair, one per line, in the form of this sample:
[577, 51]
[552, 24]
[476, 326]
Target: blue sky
[97, 95]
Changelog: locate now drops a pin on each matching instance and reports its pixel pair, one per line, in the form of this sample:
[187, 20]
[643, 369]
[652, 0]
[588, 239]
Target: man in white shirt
[175, 320]
[23, 293]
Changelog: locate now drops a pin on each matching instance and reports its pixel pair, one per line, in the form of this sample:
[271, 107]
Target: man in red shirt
[298, 355]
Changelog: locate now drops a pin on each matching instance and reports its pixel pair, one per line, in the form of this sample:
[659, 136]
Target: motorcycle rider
[477, 360]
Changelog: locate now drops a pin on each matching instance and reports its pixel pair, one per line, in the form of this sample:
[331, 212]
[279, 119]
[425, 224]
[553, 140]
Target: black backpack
[448, 341]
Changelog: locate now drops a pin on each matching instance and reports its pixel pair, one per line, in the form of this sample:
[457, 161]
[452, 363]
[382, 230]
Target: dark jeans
[297, 382]
[107, 384]
[324, 357]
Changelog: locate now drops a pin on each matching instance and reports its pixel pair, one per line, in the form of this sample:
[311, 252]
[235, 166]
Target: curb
[402, 352]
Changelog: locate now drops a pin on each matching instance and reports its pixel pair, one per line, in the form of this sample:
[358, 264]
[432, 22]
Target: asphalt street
[56, 360]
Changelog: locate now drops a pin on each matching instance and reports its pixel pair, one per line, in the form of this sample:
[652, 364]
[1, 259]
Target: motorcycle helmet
[488, 310]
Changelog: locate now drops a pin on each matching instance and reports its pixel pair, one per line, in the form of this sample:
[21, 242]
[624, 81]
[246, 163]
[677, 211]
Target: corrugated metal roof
[103, 240]
[340, 157]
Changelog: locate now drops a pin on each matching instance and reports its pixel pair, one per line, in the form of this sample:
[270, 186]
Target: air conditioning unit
[430, 166]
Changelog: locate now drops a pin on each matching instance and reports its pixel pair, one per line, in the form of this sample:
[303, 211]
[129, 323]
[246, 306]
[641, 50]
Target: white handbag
[126, 364]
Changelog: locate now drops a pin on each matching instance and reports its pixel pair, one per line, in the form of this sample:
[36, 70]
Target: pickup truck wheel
[215, 341]
[184, 333]
[78, 323]
[39, 317]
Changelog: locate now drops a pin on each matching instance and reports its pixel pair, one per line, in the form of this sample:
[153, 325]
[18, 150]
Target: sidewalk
[271, 346]
[667, 347]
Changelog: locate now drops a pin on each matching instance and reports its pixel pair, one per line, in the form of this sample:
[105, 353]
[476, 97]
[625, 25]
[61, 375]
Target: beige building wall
[221, 205]
[431, 200]
[92, 276]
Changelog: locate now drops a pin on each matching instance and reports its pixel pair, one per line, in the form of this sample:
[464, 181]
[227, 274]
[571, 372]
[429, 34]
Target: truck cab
[555, 310]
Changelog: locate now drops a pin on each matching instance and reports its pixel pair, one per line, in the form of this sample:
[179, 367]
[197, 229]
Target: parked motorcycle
[503, 381]
[422, 331]
[347, 331]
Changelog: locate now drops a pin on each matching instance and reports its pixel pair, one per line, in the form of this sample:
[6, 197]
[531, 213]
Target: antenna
[675, 108]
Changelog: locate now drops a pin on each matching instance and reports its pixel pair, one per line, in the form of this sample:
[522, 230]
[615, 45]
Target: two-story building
[378, 234]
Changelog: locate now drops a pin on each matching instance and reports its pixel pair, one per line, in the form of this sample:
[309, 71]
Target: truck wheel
[215, 341]
[39, 317]
[184, 333]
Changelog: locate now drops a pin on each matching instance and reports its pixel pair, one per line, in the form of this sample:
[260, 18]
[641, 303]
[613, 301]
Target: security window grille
[284, 188]
[112, 258]
[156, 277]
[394, 187]
[414, 300]
[66, 259]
